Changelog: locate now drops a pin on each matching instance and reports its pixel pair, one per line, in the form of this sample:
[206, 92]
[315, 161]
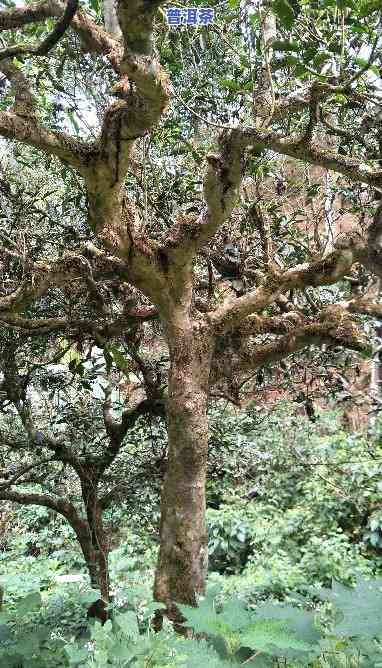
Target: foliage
[304, 505]
[230, 633]
[229, 540]
[295, 633]
[89, 330]
[45, 608]
[294, 536]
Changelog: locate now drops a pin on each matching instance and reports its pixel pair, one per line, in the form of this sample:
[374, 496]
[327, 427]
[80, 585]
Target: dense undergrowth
[295, 521]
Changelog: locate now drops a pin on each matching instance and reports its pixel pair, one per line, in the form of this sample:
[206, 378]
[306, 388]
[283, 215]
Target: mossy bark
[182, 563]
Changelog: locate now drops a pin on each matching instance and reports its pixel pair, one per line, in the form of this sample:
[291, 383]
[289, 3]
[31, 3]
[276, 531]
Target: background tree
[151, 249]
[66, 455]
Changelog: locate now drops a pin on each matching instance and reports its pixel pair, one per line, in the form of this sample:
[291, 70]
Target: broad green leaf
[272, 636]
[29, 603]
[128, 624]
[5, 633]
[76, 655]
[284, 10]
[235, 614]
[197, 653]
[204, 619]
[360, 606]
[231, 84]
[300, 622]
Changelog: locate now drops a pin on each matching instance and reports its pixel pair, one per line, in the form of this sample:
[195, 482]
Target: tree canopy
[194, 203]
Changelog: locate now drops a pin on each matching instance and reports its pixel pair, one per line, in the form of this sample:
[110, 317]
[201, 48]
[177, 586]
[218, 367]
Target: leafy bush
[228, 545]
[314, 508]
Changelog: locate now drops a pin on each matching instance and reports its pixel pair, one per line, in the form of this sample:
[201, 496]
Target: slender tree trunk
[99, 571]
[182, 563]
[98, 564]
[94, 545]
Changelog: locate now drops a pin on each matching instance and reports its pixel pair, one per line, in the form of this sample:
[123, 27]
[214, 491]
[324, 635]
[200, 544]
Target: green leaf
[89, 596]
[272, 636]
[254, 19]
[5, 633]
[300, 622]
[29, 603]
[284, 11]
[75, 655]
[368, 6]
[235, 614]
[128, 624]
[320, 58]
[360, 606]
[204, 619]
[197, 653]
[231, 84]
[363, 63]
[285, 45]
[119, 359]
[151, 609]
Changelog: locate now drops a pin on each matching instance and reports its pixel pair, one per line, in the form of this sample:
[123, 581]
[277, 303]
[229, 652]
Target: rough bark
[182, 563]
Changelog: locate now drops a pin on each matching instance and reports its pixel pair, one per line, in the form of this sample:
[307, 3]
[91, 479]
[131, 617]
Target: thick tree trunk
[375, 386]
[182, 563]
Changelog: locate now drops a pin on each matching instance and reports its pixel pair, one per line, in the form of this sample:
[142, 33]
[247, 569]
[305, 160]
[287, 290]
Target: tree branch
[93, 37]
[221, 183]
[118, 430]
[49, 42]
[41, 277]
[322, 272]
[62, 507]
[332, 326]
[21, 472]
[299, 148]
[26, 130]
